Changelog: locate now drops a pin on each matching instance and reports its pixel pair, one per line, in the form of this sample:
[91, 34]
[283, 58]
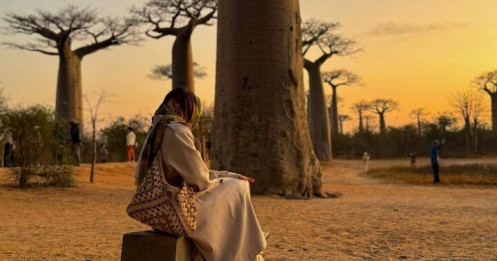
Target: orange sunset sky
[415, 52]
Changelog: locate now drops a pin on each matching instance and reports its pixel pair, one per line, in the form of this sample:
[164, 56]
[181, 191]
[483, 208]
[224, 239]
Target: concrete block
[155, 246]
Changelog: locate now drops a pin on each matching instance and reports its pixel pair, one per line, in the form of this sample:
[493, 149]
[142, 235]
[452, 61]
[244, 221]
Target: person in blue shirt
[434, 159]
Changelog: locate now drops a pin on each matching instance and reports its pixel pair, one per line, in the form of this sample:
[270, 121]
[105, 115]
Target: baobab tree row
[261, 125]
[58, 31]
[379, 106]
[323, 37]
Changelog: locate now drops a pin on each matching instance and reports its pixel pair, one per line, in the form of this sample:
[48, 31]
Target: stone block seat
[158, 246]
[155, 246]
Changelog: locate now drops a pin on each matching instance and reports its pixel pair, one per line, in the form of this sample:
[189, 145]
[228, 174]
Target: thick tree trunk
[493, 99]
[334, 110]
[69, 97]
[183, 61]
[361, 126]
[319, 124]
[260, 127]
[383, 126]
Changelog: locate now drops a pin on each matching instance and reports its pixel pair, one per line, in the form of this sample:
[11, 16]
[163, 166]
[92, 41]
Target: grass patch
[471, 174]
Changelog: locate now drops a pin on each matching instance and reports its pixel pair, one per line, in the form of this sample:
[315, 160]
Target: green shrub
[61, 176]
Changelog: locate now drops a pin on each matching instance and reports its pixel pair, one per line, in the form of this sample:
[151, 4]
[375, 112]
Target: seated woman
[227, 228]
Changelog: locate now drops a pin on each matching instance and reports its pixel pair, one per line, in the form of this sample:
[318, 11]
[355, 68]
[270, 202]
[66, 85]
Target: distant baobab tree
[368, 119]
[56, 33]
[260, 125]
[165, 72]
[360, 107]
[470, 105]
[177, 18]
[321, 35]
[341, 119]
[335, 79]
[380, 107]
[488, 83]
[418, 113]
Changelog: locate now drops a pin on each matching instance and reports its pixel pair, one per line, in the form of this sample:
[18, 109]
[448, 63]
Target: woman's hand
[242, 177]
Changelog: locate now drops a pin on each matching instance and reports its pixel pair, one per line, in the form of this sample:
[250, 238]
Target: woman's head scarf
[180, 105]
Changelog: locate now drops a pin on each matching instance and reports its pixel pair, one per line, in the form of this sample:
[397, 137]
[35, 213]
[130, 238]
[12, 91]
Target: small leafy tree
[32, 133]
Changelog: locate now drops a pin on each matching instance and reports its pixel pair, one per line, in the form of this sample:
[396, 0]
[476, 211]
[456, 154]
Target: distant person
[413, 156]
[365, 160]
[434, 159]
[130, 144]
[104, 153]
[75, 142]
[8, 153]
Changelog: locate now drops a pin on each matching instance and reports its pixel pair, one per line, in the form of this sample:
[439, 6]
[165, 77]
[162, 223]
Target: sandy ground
[372, 221]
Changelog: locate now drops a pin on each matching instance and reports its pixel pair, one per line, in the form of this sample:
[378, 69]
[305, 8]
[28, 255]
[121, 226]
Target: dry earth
[372, 221]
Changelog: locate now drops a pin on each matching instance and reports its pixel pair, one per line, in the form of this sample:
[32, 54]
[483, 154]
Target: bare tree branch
[30, 47]
[59, 29]
[169, 17]
[487, 82]
[380, 106]
[322, 35]
[113, 31]
[341, 77]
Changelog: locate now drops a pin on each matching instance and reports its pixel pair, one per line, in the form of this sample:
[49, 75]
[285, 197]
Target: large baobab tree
[165, 72]
[322, 36]
[418, 113]
[488, 83]
[360, 107]
[260, 127]
[335, 79]
[380, 107]
[177, 18]
[56, 33]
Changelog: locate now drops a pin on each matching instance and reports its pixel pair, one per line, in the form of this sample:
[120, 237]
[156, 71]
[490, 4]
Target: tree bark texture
[260, 127]
[318, 119]
[182, 60]
[493, 99]
[69, 96]
[383, 127]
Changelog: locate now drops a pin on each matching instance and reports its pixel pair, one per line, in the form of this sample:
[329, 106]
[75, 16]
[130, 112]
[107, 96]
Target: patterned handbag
[163, 206]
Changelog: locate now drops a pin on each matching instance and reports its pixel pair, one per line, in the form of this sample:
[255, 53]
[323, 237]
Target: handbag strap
[155, 148]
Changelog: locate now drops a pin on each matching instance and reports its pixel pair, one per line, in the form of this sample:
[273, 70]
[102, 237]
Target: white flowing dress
[227, 227]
